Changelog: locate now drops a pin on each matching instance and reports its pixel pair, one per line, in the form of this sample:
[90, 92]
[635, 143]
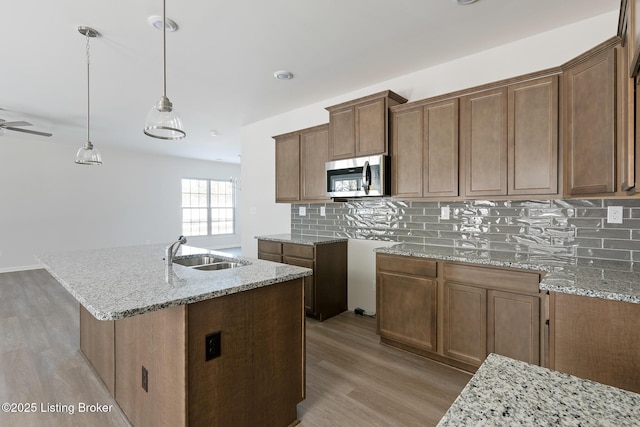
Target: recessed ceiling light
[466, 2]
[156, 22]
[283, 75]
[213, 132]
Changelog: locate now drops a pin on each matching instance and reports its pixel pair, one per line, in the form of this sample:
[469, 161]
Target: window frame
[209, 207]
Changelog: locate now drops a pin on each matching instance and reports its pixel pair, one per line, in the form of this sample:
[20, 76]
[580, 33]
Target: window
[207, 207]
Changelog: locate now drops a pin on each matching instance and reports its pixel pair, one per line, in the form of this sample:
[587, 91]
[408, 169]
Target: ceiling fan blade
[20, 123]
[28, 131]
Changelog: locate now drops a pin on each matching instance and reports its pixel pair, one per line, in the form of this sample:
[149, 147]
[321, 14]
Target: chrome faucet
[171, 250]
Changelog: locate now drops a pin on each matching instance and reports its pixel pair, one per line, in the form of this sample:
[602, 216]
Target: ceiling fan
[15, 126]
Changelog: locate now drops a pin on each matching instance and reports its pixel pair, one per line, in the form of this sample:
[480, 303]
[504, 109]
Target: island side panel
[97, 343]
[258, 379]
[155, 340]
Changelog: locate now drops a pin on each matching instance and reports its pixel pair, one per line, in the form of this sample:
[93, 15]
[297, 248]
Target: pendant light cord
[88, 90]
[164, 48]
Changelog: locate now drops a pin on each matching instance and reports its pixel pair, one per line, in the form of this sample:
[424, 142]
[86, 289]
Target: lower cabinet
[465, 323]
[513, 326]
[458, 313]
[407, 296]
[596, 339]
[325, 292]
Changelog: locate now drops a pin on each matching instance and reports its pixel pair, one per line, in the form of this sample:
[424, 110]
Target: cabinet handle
[366, 177]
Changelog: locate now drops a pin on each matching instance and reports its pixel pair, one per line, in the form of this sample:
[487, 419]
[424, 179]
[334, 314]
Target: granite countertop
[586, 281]
[507, 392]
[122, 282]
[302, 240]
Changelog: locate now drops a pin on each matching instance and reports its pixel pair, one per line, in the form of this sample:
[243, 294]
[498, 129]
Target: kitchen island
[178, 346]
[507, 392]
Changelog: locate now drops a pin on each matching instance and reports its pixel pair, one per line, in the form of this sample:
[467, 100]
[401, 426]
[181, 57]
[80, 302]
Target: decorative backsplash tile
[556, 231]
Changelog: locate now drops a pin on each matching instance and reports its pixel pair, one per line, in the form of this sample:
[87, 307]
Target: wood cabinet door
[483, 123]
[342, 137]
[314, 153]
[589, 101]
[371, 127]
[407, 151]
[514, 326]
[407, 310]
[287, 168]
[309, 282]
[441, 149]
[465, 323]
[533, 137]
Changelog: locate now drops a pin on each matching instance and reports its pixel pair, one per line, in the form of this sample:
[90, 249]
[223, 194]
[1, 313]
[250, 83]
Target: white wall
[48, 203]
[263, 216]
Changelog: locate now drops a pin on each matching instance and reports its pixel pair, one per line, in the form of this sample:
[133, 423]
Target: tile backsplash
[556, 231]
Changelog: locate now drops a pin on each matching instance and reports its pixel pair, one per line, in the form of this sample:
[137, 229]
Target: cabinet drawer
[298, 251]
[414, 266]
[270, 257]
[515, 280]
[300, 262]
[269, 247]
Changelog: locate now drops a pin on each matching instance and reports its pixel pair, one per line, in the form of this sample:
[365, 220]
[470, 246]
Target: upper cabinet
[589, 131]
[509, 139]
[300, 160]
[360, 127]
[287, 167]
[500, 141]
[424, 154]
[483, 128]
[532, 137]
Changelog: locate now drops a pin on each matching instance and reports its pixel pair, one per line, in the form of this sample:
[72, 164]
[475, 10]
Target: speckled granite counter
[593, 282]
[121, 282]
[301, 240]
[507, 392]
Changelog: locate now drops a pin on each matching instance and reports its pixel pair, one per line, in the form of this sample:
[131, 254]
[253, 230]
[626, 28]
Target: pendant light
[87, 154]
[162, 121]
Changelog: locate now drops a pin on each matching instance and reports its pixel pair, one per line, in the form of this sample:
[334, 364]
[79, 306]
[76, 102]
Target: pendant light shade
[87, 154]
[162, 121]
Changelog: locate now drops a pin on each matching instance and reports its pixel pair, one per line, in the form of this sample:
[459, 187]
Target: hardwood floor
[40, 360]
[352, 379]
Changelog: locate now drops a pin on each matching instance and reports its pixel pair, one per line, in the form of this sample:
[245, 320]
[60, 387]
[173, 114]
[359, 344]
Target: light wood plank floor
[352, 380]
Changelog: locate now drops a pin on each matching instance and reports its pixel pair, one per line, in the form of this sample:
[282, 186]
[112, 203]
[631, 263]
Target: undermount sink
[206, 262]
[218, 265]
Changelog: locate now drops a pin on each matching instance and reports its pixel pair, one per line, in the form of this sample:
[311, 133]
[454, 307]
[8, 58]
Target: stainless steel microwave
[358, 177]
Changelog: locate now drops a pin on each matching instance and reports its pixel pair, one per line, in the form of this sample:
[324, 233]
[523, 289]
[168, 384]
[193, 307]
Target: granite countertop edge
[115, 283]
[121, 314]
[301, 240]
[566, 279]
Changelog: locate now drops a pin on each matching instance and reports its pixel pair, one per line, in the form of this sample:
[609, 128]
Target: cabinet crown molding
[596, 50]
[384, 94]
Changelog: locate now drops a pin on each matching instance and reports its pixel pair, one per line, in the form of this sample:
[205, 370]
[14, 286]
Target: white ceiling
[220, 62]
